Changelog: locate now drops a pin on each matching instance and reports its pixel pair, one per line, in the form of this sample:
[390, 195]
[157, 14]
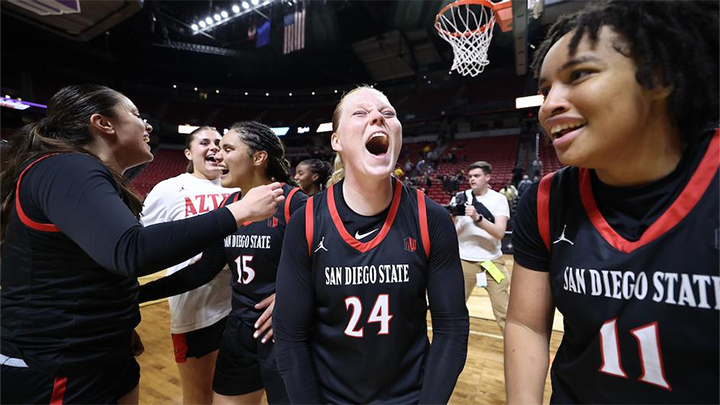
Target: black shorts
[23, 385]
[245, 365]
[198, 343]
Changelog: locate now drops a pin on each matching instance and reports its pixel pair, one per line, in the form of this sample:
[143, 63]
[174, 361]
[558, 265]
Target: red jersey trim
[21, 214]
[680, 208]
[287, 204]
[363, 247]
[309, 224]
[543, 209]
[58, 393]
[422, 214]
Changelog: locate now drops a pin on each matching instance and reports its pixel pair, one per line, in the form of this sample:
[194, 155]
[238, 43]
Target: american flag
[294, 38]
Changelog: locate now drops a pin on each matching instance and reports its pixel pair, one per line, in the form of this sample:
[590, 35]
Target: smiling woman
[349, 330]
[634, 111]
[250, 156]
[73, 248]
[197, 318]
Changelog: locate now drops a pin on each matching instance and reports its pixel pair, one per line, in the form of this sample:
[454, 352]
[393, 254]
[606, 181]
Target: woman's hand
[264, 323]
[257, 204]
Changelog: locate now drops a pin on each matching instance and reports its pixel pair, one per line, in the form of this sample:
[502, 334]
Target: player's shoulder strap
[543, 209]
[422, 215]
[229, 199]
[309, 224]
[18, 207]
[287, 203]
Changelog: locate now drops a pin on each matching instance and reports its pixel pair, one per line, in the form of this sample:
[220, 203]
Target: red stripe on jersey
[543, 209]
[21, 214]
[363, 247]
[58, 393]
[680, 208]
[309, 224]
[287, 204]
[422, 214]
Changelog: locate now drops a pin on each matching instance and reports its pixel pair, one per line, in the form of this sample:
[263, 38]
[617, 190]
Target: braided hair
[259, 137]
[320, 167]
[658, 35]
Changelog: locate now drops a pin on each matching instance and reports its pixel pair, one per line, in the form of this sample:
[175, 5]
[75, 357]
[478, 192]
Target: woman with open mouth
[197, 318]
[73, 248]
[350, 319]
[250, 156]
[623, 241]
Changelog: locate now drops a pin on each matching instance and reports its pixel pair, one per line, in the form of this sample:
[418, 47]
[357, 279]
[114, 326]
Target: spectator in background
[480, 231]
[537, 167]
[409, 166]
[399, 174]
[312, 175]
[518, 173]
[524, 185]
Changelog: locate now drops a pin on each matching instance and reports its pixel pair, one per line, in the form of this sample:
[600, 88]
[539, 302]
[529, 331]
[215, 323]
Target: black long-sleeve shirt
[69, 296]
[302, 313]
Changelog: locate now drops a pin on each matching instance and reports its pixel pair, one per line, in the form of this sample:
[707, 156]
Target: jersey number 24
[380, 313]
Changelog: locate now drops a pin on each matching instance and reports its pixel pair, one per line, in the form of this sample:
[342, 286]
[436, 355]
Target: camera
[455, 209]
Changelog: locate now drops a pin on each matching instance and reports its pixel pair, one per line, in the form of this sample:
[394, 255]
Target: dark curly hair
[259, 137]
[320, 167]
[674, 42]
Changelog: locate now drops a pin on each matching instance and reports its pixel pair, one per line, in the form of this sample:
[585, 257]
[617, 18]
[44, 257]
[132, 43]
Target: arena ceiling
[151, 42]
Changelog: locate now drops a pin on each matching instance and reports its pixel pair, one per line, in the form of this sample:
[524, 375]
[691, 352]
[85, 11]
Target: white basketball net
[460, 27]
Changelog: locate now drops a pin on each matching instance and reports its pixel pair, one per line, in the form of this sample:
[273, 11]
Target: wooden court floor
[481, 382]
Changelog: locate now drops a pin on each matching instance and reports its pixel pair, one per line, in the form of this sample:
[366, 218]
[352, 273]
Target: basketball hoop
[467, 25]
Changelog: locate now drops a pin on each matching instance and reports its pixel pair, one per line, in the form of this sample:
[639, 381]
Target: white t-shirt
[476, 244]
[183, 197]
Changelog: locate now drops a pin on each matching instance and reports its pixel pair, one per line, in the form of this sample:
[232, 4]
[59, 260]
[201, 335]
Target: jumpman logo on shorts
[562, 237]
[320, 245]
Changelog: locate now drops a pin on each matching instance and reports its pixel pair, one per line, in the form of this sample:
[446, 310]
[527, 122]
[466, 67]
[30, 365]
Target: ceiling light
[194, 27]
[255, 2]
[224, 14]
[336, 90]
[245, 5]
[290, 94]
[246, 93]
[208, 20]
[217, 17]
[267, 94]
[236, 9]
[202, 24]
[313, 93]
[195, 88]
[174, 86]
[217, 91]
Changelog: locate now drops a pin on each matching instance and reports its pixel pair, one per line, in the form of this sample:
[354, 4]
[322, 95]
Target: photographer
[480, 215]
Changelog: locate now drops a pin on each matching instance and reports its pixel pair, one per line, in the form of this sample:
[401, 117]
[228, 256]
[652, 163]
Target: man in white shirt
[480, 231]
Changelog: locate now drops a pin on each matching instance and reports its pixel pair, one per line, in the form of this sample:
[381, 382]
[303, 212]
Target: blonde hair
[338, 168]
[338, 171]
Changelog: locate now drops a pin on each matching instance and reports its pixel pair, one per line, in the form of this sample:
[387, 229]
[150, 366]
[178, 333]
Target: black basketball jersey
[253, 253]
[370, 333]
[61, 311]
[641, 317]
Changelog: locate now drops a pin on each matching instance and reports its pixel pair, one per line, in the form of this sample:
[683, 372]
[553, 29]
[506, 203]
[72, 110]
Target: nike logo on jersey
[562, 237]
[359, 236]
[321, 245]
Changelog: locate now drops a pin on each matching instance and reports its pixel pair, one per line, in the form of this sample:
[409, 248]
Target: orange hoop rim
[495, 7]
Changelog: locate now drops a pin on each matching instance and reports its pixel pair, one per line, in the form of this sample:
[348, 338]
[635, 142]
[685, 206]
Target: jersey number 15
[243, 268]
